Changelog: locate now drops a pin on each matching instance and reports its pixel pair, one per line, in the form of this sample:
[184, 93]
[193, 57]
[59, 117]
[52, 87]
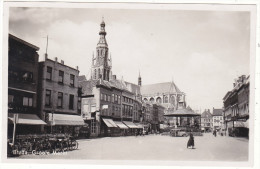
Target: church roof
[167, 87]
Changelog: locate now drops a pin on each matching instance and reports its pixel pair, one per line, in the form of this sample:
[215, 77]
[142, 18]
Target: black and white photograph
[139, 82]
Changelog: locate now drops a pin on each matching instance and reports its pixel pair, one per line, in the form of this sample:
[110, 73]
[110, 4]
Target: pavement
[156, 147]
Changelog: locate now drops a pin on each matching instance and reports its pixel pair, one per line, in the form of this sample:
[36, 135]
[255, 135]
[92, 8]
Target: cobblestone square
[157, 147]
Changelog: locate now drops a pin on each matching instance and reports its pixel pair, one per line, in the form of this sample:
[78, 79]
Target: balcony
[21, 109]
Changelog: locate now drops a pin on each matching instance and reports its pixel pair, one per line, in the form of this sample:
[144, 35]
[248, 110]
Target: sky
[201, 51]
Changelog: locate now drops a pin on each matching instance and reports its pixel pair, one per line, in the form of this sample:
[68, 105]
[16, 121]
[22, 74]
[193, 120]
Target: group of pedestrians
[139, 133]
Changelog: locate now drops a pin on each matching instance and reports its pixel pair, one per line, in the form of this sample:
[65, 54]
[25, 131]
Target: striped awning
[130, 124]
[140, 126]
[109, 122]
[241, 124]
[30, 119]
[65, 119]
[121, 125]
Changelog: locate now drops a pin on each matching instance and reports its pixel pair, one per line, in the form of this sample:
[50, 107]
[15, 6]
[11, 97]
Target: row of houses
[51, 97]
[212, 121]
[236, 108]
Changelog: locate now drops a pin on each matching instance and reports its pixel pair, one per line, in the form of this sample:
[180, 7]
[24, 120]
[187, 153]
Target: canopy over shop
[65, 123]
[19, 123]
[26, 119]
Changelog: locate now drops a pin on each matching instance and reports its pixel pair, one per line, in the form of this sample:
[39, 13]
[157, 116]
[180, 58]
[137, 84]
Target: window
[72, 79]
[93, 126]
[102, 96]
[95, 74]
[71, 102]
[112, 98]
[105, 97]
[49, 73]
[10, 99]
[27, 76]
[48, 98]
[119, 100]
[60, 99]
[27, 101]
[108, 98]
[116, 99]
[61, 76]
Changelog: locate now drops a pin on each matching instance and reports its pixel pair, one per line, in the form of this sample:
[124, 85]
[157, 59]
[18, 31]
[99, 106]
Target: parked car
[178, 133]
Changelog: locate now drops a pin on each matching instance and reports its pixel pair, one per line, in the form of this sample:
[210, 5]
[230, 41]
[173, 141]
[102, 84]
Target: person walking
[191, 141]
[215, 133]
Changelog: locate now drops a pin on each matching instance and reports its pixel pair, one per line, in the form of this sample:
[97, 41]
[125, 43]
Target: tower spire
[139, 79]
[102, 64]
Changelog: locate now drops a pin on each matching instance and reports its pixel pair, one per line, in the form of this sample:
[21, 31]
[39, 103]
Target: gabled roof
[23, 42]
[133, 88]
[217, 112]
[167, 87]
[185, 112]
[206, 114]
[82, 78]
[87, 86]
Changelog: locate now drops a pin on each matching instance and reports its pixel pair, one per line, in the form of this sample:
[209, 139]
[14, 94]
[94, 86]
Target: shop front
[241, 128]
[24, 124]
[123, 128]
[65, 124]
[133, 129]
[109, 128]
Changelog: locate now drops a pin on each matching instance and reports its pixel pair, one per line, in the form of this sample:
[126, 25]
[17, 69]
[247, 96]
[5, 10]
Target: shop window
[93, 126]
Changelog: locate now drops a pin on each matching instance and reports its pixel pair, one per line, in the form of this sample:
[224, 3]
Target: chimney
[234, 84]
[77, 67]
[46, 56]
[62, 62]
[56, 59]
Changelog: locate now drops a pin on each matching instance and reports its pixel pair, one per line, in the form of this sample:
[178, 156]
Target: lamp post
[16, 117]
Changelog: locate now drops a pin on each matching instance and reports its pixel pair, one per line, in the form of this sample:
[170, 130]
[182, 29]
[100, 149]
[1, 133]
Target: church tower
[101, 64]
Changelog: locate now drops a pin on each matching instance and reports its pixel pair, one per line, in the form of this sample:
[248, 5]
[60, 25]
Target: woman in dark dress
[191, 141]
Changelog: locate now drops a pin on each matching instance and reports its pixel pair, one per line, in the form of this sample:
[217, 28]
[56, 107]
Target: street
[156, 147]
